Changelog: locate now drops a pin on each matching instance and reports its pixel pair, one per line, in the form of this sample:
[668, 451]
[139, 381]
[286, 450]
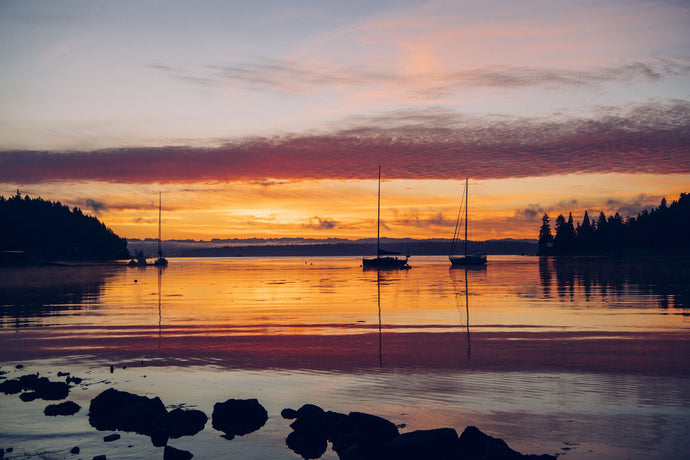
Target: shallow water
[585, 357]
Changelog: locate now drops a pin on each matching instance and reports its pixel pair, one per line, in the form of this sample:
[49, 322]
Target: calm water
[589, 358]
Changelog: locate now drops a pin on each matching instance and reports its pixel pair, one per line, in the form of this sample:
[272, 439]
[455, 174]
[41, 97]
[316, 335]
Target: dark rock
[62, 374]
[182, 422]
[100, 457]
[111, 437]
[43, 388]
[307, 444]
[238, 416]
[74, 450]
[29, 381]
[372, 428]
[288, 414]
[437, 444]
[10, 387]
[473, 444]
[159, 436]
[52, 391]
[311, 418]
[120, 410]
[313, 427]
[65, 408]
[74, 380]
[337, 424]
[170, 453]
[310, 410]
[19, 366]
[29, 396]
[357, 435]
[314, 424]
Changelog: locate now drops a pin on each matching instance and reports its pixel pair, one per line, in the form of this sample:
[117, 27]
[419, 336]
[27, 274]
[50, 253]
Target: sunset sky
[270, 118]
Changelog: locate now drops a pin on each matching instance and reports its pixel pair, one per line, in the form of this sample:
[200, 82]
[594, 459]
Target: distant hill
[48, 230]
[332, 247]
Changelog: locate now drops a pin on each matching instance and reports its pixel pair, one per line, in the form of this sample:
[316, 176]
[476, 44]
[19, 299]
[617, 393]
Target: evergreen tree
[49, 230]
[585, 233]
[545, 235]
[662, 229]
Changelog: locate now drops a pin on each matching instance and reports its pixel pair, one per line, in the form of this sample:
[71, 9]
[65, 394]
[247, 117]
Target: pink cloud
[653, 138]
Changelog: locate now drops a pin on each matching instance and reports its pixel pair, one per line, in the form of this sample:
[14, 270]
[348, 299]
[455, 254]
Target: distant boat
[161, 261]
[389, 261]
[465, 259]
[139, 260]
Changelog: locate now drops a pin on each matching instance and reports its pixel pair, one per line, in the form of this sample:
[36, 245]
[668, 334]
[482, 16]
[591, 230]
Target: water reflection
[262, 313]
[29, 295]
[604, 277]
[378, 301]
[160, 315]
[464, 318]
[554, 351]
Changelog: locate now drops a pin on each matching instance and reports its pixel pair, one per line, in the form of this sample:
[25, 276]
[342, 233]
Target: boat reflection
[160, 316]
[378, 301]
[464, 316]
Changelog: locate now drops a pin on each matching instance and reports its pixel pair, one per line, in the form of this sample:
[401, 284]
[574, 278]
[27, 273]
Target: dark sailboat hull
[463, 261]
[394, 263]
[161, 262]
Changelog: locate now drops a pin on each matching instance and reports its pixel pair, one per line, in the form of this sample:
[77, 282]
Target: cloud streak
[295, 77]
[321, 223]
[433, 144]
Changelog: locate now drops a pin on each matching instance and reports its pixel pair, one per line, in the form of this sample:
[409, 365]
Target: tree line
[662, 229]
[52, 231]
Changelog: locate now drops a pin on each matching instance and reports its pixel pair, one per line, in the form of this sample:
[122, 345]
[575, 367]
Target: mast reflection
[459, 294]
[160, 315]
[378, 301]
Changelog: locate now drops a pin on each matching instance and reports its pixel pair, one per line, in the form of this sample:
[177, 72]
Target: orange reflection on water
[328, 311]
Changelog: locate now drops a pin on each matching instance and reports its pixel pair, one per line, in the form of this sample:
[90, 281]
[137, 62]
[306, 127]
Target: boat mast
[160, 252]
[378, 219]
[466, 206]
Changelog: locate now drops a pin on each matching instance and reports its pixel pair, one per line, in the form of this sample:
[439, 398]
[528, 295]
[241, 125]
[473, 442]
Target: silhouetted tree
[545, 235]
[664, 228]
[585, 233]
[49, 230]
[564, 241]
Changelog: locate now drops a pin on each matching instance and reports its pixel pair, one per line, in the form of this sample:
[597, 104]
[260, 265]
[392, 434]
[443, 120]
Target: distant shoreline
[216, 248]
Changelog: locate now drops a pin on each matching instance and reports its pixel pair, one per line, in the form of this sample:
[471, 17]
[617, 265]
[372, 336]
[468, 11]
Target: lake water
[588, 358]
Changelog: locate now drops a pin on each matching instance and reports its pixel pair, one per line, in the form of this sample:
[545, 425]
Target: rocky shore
[352, 436]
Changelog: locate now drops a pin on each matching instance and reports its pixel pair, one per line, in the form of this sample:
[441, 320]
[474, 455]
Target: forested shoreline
[664, 229]
[47, 230]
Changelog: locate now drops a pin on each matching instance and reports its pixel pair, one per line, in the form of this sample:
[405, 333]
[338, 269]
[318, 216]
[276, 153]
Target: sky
[269, 119]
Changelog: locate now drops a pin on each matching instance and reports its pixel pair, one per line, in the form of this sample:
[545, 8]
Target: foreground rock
[238, 416]
[33, 387]
[439, 443]
[120, 410]
[65, 408]
[360, 436]
[170, 453]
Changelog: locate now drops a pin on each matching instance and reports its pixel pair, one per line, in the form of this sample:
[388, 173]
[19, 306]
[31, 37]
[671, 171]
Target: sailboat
[465, 259]
[388, 261]
[161, 261]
